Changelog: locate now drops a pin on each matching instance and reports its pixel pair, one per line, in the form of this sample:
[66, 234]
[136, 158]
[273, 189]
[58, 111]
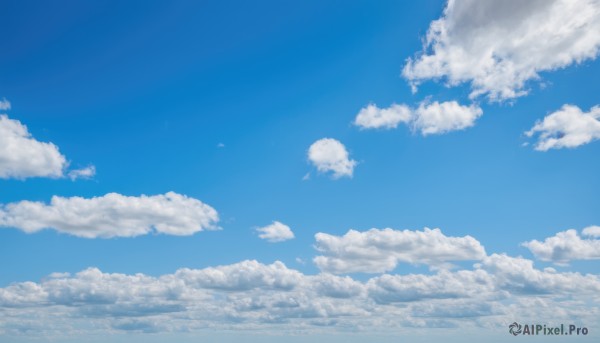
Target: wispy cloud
[83, 173]
[4, 105]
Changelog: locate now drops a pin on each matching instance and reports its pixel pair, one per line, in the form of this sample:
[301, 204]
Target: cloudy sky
[349, 171]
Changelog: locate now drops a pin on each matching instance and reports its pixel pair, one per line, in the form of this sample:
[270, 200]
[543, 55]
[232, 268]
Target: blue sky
[223, 102]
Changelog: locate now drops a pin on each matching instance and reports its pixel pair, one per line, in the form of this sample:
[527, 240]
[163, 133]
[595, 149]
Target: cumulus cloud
[568, 127]
[437, 118]
[497, 46]
[250, 295]
[22, 156]
[377, 251]
[276, 232]
[373, 117]
[243, 276]
[518, 275]
[329, 155]
[444, 285]
[428, 118]
[567, 246]
[112, 215]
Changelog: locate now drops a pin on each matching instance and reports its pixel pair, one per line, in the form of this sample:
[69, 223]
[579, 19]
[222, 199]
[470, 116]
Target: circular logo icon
[515, 328]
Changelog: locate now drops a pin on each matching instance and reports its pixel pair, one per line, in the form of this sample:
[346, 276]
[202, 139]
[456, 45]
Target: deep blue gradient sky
[147, 90]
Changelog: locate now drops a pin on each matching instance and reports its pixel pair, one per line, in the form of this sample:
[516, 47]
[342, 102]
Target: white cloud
[243, 276]
[568, 127]
[250, 296]
[567, 246]
[377, 251]
[276, 232]
[428, 118]
[329, 155]
[242, 295]
[518, 276]
[498, 46]
[592, 231]
[22, 156]
[112, 215]
[373, 117]
[83, 173]
[438, 118]
[444, 285]
[4, 105]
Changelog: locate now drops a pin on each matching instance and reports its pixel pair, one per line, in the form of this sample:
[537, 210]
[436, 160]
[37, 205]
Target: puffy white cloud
[568, 127]
[112, 215]
[373, 117]
[566, 246]
[242, 276]
[428, 118]
[377, 251]
[276, 232]
[329, 155]
[254, 296]
[518, 276]
[22, 156]
[498, 46]
[437, 118]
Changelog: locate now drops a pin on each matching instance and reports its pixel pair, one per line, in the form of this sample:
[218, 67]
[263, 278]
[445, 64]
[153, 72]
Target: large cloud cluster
[251, 295]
